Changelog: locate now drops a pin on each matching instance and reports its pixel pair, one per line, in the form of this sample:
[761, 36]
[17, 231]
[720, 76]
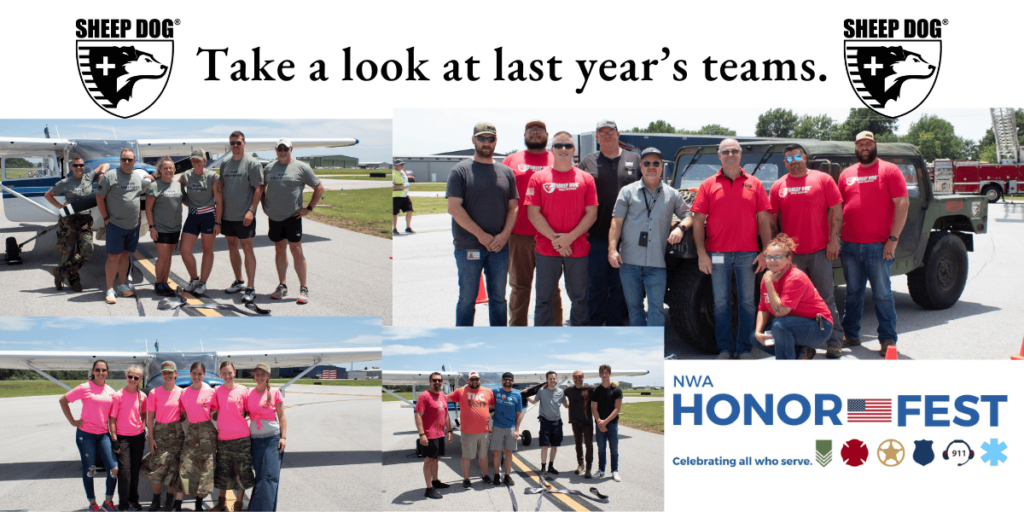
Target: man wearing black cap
[482, 202]
[643, 217]
[612, 169]
[400, 201]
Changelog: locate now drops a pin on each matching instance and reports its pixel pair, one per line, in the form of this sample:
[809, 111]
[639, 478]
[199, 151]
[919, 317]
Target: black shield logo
[923, 453]
[124, 77]
[892, 77]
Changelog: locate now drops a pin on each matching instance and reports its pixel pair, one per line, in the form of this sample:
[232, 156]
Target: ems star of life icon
[892, 76]
[124, 76]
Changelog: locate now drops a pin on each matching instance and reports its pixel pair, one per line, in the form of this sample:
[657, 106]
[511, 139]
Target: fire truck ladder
[1004, 126]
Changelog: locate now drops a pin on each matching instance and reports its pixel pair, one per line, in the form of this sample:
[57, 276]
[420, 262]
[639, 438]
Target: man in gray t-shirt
[286, 179]
[119, 201]
[550, 397]
[74, 232]
[241, 185]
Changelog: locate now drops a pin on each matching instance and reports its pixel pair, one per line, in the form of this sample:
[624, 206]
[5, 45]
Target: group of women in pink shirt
[232, 454]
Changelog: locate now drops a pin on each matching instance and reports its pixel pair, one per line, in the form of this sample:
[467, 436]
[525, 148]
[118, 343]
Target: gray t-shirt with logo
[550, 400]
[199, 189]
[166, 206]
[73, 188]
[122, 193]
[239, 179]
[285, 184]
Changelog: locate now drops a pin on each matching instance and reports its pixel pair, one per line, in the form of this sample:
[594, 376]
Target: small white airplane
[492, 380]
[43, 361]
[23, 188]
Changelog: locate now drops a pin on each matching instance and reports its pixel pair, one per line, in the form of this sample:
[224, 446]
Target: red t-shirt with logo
[524, 164]
[563, 197]
[475, 406]
[802, 206]
[732, 207]
[797, 293]
[434, 407]
[868, 209]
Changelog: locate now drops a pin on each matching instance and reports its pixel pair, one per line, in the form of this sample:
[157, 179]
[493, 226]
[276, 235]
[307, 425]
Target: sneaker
[109, 506]
[616, 477]
[486, 479]
[433, 494]
[496, 480]
[439, 484]
[809, 353]
[280, 292]
[58, 281]
[134, 505]
[466, 484]
[508, 480]
[725, 355]
[303, 295]
[833, 353]
[164, 290]
[580, 469]
[76, 284]
[122, 506]
[124, 290]
[850, 342]
[588, 474]
[191, 286]
[551, 469]
[111, 296]
[599, 474]
[249, 295]
[199, 289]
[394, 232]
[236, 287]
[885, 347]
[410, 231]
[95, 508]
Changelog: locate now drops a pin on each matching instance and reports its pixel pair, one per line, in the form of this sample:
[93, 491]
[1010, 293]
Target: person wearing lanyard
[92, 435]
[203, 199]
[234, 449]
[641, 218]
[199, 452]
[268, 430]
[128, 434]
[164, 216]
[160, 465]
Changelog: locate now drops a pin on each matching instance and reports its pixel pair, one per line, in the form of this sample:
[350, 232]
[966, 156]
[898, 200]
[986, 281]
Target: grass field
[428, 187]
[355, 178]
[637, 392]
[388, 398]
[366, 211]
[646, 416]
[429, 205]
[16, 388]
[364, 172]
[330, 382]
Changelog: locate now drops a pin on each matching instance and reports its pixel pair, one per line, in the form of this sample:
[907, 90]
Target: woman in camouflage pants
[160, 465]
[199, 453]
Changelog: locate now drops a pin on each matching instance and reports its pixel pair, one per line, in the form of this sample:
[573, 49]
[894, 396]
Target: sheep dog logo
[892, 77]
[124, 77]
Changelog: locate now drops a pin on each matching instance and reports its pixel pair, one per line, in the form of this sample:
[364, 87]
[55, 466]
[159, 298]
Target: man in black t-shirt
[606, 403]
[582, 421]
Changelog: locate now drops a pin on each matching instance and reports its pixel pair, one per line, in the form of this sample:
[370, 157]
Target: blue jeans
[612, 437]
[792, 333]
[89, 445]
[266, 462]
[606, 304]
[864, 263]
[741, 265]
[494, 266]
[636, 280]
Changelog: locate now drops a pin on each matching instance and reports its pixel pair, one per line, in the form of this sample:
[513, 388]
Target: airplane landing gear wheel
[527, 437]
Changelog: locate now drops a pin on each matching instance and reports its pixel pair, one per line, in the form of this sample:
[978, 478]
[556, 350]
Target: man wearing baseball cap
[612, 169]
[482, 202]
[286, 179]
[475, 403]
[508, 415]
[522, 243]
[875, 204]
[400, 200]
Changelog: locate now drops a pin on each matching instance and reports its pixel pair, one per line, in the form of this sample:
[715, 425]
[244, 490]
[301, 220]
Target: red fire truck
[967, 177]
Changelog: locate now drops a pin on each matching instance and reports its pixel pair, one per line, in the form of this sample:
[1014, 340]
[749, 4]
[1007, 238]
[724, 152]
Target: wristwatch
[893, 239]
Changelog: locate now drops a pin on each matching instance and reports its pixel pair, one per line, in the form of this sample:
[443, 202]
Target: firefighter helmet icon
[124, 77]
[892, 77]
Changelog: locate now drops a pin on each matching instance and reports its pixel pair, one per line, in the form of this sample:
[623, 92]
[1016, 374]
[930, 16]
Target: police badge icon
[923, 452]
[892, 77]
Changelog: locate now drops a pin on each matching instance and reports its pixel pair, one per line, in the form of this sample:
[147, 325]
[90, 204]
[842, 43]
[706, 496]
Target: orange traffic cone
[481, 296]
[1019, 357]
[890, 353]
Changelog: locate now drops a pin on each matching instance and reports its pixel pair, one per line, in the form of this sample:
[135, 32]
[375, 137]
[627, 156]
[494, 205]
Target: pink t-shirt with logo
[230, 404]
[166, 404]
[127, 409]
[197, 404]
[563, 197]
[96, 403]
[259, 410]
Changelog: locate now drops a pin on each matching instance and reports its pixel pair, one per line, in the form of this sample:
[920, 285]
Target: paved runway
[332, 458]
[640, 465]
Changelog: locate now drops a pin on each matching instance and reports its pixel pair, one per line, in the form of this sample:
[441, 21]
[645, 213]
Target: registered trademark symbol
[178, 22]
[945, 22]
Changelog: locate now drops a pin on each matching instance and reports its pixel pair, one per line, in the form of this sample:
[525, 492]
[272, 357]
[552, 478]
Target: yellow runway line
[562, 497]
[151, 267]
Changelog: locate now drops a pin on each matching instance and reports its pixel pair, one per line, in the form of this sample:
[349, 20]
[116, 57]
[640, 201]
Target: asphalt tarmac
[348, 274]
[640, 453]
[332, 458]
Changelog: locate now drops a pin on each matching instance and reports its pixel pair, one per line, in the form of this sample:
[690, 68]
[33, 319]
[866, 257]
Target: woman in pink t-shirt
[268, 430]
[160, 466]
[199, 453]
[128, 434]
[234, 449]
[91, 435]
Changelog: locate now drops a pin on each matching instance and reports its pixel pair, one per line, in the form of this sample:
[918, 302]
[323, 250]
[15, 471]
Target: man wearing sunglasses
[562, 205]
[482, 200]
[432, 421]
[508, 415]
[74, 232]
[286, 179]
[643, 218]
[241, 185]
[809, 209]
[119, 199]
[475, 403]
[730, 212]
[522, 244]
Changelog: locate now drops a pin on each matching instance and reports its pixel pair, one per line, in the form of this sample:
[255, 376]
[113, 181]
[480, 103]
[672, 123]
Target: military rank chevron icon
[823, 451]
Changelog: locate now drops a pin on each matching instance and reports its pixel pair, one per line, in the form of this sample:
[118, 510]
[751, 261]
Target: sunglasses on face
[436, 380]
[507, 380]
[486, 140]
[474, 380]
[282, 148]
[562, 145]
[794, 158]
[652, 163]
[776, 258]
[132, 377]
[236, 143]
[77, 165]
[729, 152]
[123, 159]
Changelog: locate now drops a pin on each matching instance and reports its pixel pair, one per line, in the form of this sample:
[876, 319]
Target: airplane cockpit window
[29, 166]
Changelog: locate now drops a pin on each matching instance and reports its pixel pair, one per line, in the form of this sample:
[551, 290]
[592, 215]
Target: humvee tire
[690, 291]
[938, 283]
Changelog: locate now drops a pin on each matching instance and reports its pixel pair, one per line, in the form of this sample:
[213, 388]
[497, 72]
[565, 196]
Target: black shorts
[168, 238]
[550, 433]
[290, 228]
[401, 204]
[434, 448]
[200, 223]
[236, 229]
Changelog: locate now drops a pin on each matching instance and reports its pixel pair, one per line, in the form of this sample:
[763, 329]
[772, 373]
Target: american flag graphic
[869, 410]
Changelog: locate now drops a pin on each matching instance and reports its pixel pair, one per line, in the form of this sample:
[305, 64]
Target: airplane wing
[163, 147]
[539, 376]
[399, 378]
[20, 145]
[302, 357]
[68, 360]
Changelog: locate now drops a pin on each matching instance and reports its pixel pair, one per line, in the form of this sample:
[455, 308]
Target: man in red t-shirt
[521, 244]
[475, 403]
[875, 204]
[730, 211]
[809, 209]
[561, 203]
[432, 421]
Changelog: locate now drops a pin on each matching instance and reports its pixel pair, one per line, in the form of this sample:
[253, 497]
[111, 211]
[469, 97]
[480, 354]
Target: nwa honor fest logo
[124, 64]
[892, 64]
